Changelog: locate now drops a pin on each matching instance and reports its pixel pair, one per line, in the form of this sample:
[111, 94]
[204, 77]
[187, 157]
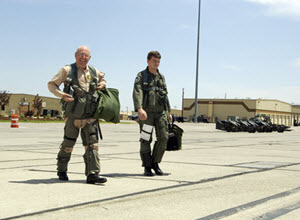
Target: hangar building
[219, 109]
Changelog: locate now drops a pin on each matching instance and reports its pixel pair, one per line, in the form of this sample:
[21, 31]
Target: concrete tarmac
[217, 175]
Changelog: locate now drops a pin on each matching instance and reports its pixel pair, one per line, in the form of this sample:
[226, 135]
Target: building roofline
[35, 95]
[217, 99]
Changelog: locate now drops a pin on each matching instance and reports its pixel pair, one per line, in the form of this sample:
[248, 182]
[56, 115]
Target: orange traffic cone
[14, 121]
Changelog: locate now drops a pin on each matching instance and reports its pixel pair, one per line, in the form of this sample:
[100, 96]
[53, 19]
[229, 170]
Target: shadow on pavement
[47, 181]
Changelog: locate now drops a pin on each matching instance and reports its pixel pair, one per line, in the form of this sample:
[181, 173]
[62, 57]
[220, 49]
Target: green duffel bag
[108, 105]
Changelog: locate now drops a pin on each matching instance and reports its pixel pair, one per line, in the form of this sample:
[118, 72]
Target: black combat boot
[157, 170]
[63, 176]
[95, 178]
[148, 172]
[146, 159]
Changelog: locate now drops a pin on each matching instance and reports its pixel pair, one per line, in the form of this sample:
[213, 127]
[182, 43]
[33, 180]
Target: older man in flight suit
[151, 101]
[79, 99]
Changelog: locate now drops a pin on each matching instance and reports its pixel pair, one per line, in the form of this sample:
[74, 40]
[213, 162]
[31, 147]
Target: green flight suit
[150, 93]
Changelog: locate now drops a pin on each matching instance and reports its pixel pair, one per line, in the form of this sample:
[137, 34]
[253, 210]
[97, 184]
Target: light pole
[197, 64]
[182, 102]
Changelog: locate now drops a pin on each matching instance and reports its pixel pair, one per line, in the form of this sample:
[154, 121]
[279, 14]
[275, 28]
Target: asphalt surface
[217, 175]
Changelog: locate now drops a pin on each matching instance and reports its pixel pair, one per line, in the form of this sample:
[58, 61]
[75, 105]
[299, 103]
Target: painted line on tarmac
[232, 211]
[279, 212]
[222, 214]
[289, 170]
[9, 161]
[44, 165]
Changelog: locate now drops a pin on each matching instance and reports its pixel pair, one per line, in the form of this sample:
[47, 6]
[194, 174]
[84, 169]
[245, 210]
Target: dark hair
[153, 54]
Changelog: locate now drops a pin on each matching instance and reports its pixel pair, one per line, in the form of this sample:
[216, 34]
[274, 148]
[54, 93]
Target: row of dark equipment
[260, 123]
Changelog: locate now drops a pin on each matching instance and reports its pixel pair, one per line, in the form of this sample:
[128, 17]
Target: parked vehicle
[201, 118]
[228, 125]
[259, 123]
[179, 118]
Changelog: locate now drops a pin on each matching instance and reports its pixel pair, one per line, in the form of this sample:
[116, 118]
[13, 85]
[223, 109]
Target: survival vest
[155, 93]
[85, 103]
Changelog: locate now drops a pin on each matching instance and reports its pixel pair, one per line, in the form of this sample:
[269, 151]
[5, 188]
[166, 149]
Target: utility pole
[182, 102]
[197, 65]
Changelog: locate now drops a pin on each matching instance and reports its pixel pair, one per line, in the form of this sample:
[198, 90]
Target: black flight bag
[175, 138]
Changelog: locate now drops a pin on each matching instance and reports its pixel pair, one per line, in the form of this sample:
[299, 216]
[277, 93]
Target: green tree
[38, 102]
[4, 99]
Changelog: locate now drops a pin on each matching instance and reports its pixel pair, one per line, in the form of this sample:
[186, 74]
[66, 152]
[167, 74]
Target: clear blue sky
[248, 48]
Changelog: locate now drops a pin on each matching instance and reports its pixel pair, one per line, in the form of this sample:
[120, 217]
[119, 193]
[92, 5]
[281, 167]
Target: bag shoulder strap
[161, 76]
[145, 77]
[93, 71]
[73, 69]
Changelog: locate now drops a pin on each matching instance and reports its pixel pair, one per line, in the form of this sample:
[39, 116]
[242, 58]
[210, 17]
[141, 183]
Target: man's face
[82, 57]
[153, 63]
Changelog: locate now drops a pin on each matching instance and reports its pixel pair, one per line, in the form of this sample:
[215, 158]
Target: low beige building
[296, 113]
[22, 103]
[219, 109]
[213, 109]
[177, 112]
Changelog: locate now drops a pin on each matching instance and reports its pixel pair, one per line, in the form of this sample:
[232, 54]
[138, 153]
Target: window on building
[2, 107]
